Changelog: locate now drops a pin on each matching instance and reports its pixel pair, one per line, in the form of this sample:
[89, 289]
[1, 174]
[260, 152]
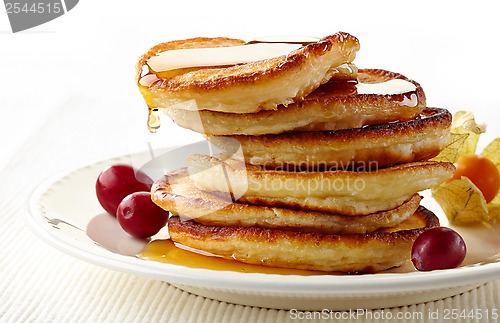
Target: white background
[450, 47]
[68, 98]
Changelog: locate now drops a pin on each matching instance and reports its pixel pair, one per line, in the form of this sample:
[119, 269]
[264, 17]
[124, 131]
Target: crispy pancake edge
[244, 73]
[304, 115]
[211, 173]
[371, 252]
[348, 146]
[213, 208]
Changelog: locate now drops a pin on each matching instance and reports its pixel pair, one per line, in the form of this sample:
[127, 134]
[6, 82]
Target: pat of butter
[218, 56]
[394, 86]
[256, 50]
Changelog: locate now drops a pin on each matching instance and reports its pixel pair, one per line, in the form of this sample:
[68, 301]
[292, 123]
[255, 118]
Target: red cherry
[117, 181]
[438, 248]
[139, 216]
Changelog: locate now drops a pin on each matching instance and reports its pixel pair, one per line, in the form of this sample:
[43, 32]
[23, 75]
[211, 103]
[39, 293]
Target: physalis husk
[460, 199]
[464, 135]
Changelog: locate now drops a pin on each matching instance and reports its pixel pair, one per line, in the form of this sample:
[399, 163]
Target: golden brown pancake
[340, 191]
[370, 252]
[334, 105]
[386, 144]
[176, 193]
[243, 88]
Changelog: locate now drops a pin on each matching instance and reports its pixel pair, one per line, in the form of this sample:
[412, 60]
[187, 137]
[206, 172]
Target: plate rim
[325, 285]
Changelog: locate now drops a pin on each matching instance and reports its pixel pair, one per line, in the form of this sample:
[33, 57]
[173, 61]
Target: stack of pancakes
[321, 163]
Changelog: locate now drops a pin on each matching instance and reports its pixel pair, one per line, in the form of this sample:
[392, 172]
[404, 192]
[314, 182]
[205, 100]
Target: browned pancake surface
[385, 144]
[176, 193]
[338, 191]
[250, 87]
[371, 252]
[333, 106]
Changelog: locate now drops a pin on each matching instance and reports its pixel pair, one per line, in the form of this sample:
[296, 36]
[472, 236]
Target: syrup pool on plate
[106, 232]
[166, 251]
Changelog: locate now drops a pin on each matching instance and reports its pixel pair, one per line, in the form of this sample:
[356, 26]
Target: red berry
[139, 216]
[438, 248]
[117, 181]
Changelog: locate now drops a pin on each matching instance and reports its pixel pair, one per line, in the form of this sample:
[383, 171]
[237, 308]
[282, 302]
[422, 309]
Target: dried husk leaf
[492, 152]
[462, 202]
[464, 123]
[450, 152]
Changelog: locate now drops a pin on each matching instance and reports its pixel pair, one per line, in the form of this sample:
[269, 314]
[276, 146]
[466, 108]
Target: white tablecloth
[67, 98]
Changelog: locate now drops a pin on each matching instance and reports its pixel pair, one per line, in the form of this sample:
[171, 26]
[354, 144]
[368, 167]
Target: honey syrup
[153, 119]
[169, 64]
[166, 251]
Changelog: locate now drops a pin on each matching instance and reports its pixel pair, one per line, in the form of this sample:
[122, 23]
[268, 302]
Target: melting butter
[219, 56]
[290, 39]
[390, 87]
[174, 62]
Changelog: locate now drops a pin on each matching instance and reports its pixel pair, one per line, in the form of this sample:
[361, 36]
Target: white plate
[64, 211]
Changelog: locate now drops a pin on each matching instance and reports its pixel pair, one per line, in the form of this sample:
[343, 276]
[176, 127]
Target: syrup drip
[166, 251]
[187, 60]
[148, 78]
[177, 62]
[153, 119]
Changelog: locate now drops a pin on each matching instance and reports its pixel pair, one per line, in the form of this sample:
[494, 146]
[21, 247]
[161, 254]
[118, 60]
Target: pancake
[247, 87]
[385, 145]
[370, 252]
[176, 193]
[340, 191]
[333, 106]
